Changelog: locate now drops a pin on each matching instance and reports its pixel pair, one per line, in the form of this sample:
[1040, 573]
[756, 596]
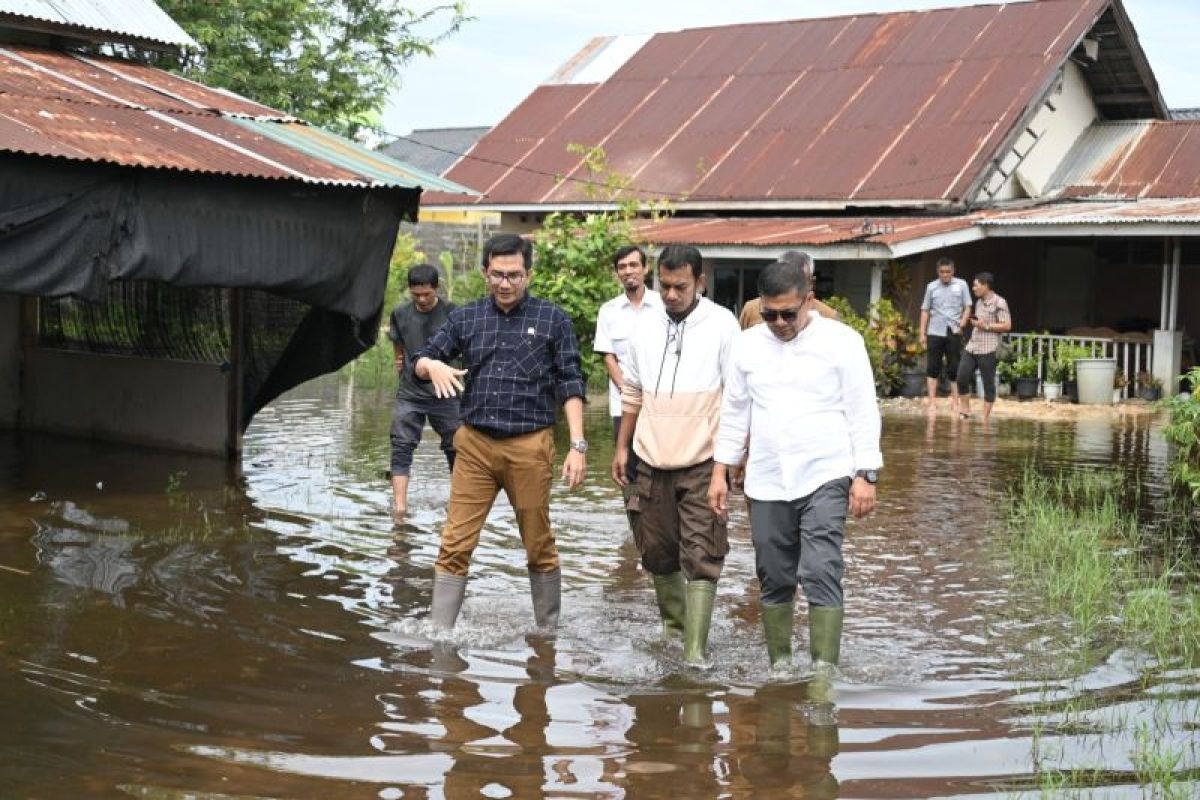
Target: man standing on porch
[615, 325]
[944, 314]
[801, 388]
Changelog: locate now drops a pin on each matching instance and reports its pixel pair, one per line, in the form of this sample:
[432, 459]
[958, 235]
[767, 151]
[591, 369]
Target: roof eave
[85, 35]
[709, 205]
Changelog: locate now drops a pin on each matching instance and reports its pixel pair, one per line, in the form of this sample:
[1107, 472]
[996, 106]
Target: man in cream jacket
[801, 390]
[670, 406]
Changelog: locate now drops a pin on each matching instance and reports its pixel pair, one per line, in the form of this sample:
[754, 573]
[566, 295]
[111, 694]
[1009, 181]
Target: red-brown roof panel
[842, 108]
[103, 110]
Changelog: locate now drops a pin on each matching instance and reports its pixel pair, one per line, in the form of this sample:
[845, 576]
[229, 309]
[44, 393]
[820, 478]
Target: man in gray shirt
[411, 325]
[944, 311]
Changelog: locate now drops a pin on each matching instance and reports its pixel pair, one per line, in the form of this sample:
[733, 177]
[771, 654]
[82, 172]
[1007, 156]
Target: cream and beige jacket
[673, 381]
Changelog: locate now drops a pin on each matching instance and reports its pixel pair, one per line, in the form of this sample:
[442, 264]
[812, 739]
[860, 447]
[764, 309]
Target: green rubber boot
[672, 602]
[777, 625]
[700, 597]
[824, 644]
[825, 633]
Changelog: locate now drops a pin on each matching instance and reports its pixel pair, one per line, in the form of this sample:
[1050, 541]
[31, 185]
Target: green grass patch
[1084, 557]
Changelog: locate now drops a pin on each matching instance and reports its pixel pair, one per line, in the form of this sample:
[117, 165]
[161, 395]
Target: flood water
[169, 630]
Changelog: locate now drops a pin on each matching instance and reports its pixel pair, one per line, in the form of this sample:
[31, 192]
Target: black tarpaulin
[319, 253]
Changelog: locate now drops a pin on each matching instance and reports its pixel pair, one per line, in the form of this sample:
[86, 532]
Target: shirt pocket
[529, 354]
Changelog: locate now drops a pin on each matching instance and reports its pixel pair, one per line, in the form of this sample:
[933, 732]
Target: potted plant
[1119, 384]
[1149, 387]
[1069, 354]
[1057, 371]
[1024, 370]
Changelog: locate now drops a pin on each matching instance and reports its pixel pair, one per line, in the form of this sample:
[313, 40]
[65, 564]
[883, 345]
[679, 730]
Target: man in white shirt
[800, 389]
[615, 325]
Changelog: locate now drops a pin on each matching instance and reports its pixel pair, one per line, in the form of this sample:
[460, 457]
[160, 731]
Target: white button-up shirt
[614, 329]
[808, 406]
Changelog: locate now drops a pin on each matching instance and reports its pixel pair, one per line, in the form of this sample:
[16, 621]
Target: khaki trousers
[523, 466]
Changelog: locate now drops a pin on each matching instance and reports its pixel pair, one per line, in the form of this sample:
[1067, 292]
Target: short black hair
[678, 256]
[801, 259]
[626, 250]
[945, 261]
[987, 279]
[507, 244]
[782, 277]
[423, 275]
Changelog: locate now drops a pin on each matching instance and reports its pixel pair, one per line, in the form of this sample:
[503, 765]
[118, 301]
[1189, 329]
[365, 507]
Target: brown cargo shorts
[523, 466]
[673, 526]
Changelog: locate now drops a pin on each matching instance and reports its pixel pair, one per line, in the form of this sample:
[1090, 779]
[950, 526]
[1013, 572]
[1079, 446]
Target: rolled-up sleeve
[568, 370]
[862, 406]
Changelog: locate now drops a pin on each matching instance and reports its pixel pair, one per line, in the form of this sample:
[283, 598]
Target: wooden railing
[1132, 356]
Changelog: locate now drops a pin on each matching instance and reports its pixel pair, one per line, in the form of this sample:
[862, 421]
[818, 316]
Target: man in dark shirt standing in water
[411, 325]
[521, 361]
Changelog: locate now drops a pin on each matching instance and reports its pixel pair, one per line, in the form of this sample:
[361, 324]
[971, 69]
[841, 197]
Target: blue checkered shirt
[520, 365]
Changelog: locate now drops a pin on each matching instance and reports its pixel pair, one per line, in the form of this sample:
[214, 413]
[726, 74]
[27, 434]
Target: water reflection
[169, 629]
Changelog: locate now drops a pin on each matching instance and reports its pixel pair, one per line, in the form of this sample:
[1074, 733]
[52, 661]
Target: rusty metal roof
[797, 231]
[1185, 211]
[873, 109]
[107, 20]
[107, 110]
[1147, 159]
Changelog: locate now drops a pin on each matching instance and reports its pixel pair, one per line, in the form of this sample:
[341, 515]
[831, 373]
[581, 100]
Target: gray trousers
[800, 541]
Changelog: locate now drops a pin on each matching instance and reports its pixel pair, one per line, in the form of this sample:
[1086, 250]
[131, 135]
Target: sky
[481, 73]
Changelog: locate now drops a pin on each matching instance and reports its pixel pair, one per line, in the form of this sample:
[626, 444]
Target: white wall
[173, 404]
[1058, 129]
[10, 354]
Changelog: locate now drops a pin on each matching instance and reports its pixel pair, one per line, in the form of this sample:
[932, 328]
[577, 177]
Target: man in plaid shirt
[990, 321]
[521, 361]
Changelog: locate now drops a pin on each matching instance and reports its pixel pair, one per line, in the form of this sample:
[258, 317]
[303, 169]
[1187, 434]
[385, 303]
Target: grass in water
[1076, 542]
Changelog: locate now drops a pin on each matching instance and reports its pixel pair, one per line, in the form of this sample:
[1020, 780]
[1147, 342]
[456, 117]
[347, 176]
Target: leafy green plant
[331, 63]
[1183, 431]
[1025, 366]
[892, 341]
[573, 255]
[1061, 366]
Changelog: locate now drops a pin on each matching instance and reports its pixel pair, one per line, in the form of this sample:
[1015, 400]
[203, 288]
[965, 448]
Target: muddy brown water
[169, 630]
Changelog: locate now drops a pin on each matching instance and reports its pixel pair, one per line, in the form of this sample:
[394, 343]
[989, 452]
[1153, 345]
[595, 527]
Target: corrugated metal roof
[1150, 159]
[868, 109]
[434, 149]
[111, 111]
[789, 231]
[124, 20]
[1177, 211]
[1185, 113]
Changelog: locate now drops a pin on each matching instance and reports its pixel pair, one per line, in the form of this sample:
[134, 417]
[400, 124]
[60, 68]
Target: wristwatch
[869, 475]
[579, 445]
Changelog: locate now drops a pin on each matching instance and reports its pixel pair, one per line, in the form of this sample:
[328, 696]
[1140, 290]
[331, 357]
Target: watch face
[580, 445]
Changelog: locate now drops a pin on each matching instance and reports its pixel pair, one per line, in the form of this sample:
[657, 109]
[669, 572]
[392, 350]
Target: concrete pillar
[1168, 359]
[10, 360]
[1168, 342]
[876, 281]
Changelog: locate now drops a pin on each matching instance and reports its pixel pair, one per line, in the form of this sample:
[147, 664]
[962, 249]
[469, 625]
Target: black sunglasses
[788, 315]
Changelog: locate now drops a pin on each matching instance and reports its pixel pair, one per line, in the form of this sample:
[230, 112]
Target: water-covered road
[169, 630]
